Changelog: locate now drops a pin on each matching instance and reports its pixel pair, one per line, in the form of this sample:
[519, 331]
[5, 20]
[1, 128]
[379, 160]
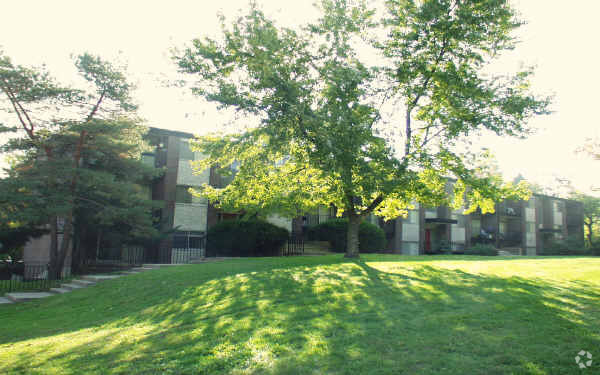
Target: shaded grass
[382, 314]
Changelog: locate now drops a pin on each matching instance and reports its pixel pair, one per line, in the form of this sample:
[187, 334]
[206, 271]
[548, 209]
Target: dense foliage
[245, 238]
[335, 127]
[75, 154]
[572, 245]
[371, 238]
[591, 217]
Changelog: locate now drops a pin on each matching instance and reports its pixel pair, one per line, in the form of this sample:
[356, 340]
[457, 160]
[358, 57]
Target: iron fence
[133, 256]
[161, 255]
[183, 256]
[118, 257]
[294, 246]
[19, 277]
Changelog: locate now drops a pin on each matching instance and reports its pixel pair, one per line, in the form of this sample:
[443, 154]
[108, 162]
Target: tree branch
[18, 108]
[427, 139]
[422, 90]
[372, 206]
[408, 133]
[96, 106]
[91, 201]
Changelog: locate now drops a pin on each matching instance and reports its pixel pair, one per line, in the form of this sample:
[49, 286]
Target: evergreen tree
[75, 152]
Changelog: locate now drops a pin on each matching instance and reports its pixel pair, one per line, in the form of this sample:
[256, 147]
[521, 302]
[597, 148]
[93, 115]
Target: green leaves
[80, 153]
[319, 106]
[439, 48]
[109, 82]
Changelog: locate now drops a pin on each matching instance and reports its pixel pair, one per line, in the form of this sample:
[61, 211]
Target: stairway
[83, 282]
[510, 251]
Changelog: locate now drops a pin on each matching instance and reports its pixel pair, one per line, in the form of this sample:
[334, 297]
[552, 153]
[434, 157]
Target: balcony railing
[510, 211]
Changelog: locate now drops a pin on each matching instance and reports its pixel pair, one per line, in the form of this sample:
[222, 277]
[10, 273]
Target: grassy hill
[318, 315]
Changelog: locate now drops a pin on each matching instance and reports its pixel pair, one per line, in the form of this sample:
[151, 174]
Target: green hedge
[482, 249]
[371, 238]
[571, 245]
[245, 238]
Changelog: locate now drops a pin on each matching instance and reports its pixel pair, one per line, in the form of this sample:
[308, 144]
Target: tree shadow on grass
[338, 317]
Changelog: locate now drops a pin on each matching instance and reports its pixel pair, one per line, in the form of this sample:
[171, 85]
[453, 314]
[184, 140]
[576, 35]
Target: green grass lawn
[318, 315]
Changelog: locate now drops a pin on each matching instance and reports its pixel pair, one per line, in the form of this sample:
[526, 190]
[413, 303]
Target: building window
[502, 228]
[431, 213]
[412, 218]
[557, 206]
[530, 227]
[184, 151]
[182, 194]
[188, 240]
[475, 227]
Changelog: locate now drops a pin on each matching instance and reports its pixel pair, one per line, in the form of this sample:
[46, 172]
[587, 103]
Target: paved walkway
[83, 282]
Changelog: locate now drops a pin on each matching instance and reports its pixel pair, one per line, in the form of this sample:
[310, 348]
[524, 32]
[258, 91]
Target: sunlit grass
[383, 314]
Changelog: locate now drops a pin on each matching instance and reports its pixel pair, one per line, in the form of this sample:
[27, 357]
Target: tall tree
[324, 134]
[75, 150]
[591, 214]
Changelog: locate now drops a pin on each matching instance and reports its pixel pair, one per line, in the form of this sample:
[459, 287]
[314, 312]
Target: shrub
[595, 249]
[571, 245]
[482, 249]
[371, 238]
[245, 238]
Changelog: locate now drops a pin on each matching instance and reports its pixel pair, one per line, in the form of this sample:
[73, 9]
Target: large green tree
[334, 129]
[591, 215]
[75, 153]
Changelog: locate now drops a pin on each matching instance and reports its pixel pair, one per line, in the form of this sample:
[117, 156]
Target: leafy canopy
[324, 112]
[75, 151]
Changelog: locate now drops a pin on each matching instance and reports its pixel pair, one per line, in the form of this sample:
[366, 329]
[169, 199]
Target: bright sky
[561, 39]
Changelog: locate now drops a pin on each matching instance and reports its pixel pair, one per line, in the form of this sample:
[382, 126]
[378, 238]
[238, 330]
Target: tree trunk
[76, 262]
[98, 240]
[352, 235]
[53, 248]
[589, 233]
[66, 242]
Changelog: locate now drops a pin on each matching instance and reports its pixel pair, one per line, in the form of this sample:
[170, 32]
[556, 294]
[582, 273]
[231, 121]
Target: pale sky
[561, 39]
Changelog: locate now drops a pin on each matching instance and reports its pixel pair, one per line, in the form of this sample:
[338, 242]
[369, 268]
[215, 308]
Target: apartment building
[524, 227]
[189, 217]
[519, 227]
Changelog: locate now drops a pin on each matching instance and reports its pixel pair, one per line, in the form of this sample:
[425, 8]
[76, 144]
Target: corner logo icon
[584, 359]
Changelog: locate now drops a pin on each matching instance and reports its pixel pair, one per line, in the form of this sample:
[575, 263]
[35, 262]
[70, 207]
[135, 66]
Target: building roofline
[553, 197]
[174, 133]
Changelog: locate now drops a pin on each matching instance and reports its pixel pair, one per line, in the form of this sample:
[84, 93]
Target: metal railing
[118, 257]
[133, 256]
[294, 246]
[446, 247]
[183, 256]
[20, 277]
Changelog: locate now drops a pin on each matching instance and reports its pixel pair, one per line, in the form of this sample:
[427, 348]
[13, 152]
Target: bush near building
[482, 249]
[246, 238]
[371, 238]
[571, 245]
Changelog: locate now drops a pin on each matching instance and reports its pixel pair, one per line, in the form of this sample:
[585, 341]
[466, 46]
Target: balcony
[509, 210]
[190, 216]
